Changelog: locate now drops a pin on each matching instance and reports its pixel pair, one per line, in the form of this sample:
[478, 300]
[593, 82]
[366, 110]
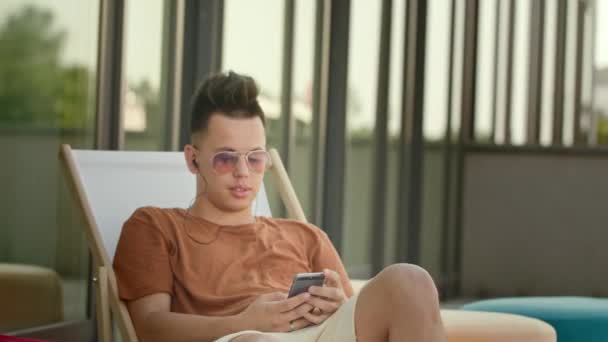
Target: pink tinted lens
[257, 161]
[225, 162]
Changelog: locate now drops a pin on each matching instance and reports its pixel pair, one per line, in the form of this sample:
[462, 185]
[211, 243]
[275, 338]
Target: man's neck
[205, 209]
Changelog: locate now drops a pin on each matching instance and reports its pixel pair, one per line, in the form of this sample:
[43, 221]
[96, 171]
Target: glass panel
[501, 75]
[457, 67]
[486, 75]
[48, 59]
[360, 121]
[570, 73]
[301, 106]
[144, 114]
[254, 47]
[600, 98]
[519, 88]
[546, 122]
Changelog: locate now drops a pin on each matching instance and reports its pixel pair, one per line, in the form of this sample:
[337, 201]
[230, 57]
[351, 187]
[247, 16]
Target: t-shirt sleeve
[326, 256]
[142, 259]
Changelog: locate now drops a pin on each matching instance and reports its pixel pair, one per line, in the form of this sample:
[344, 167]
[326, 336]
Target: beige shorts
[339, 327]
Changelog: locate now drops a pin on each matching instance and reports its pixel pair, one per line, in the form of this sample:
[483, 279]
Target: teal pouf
[576, 319]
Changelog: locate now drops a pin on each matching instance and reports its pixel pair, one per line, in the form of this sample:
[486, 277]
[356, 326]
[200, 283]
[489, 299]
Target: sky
[253, 45]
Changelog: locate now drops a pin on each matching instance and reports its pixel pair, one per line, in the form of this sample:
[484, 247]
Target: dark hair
[229, 94]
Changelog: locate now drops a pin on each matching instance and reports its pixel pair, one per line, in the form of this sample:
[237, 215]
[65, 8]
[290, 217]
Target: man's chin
[236, 206]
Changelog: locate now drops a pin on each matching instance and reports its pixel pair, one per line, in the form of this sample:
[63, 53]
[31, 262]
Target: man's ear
[190, 157]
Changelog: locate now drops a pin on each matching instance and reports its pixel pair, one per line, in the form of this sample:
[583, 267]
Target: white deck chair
[110, 185]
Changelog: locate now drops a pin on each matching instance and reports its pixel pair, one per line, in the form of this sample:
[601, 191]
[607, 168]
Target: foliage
[35, 89]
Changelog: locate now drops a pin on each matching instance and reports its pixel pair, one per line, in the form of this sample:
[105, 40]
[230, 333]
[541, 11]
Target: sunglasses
[226, 161]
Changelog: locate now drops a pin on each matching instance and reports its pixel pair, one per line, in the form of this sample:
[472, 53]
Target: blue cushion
[576, 319]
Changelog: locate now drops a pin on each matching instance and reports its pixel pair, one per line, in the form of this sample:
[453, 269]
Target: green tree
[35, 89]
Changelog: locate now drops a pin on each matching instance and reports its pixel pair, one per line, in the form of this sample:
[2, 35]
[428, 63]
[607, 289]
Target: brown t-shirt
[216, 270]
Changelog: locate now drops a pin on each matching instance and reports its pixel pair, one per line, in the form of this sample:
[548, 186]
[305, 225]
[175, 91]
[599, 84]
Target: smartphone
[302, 281]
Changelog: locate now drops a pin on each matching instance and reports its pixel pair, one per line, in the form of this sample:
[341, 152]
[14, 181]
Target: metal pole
[336, 93]
[560, 66]
[535, 62]
[580, 36]
[412, 144]
[203, 34]
[446, 255]
[467, 124]
[110, 85]
[509, 81]
[287, 83]
[381, 140]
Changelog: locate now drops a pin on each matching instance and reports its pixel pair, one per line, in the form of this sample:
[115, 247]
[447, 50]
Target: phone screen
[302, 281]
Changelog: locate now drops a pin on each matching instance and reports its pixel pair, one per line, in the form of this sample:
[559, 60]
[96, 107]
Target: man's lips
[240, 191]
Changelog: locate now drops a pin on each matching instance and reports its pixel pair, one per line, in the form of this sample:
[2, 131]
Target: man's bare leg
[399, 304]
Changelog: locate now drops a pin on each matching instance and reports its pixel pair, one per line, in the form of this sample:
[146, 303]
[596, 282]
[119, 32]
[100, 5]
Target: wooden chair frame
[108, 303]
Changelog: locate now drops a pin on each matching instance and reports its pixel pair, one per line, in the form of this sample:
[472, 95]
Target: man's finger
[332, 278]
[327, 292]
[316, 319]
[292, 303]
[298, 312]
[296, 325]
[325, 305]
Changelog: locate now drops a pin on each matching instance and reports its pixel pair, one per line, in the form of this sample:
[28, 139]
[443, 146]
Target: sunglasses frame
[240, 155]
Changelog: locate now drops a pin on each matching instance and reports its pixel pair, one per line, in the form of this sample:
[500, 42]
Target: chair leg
[104, 322]
[120, 311]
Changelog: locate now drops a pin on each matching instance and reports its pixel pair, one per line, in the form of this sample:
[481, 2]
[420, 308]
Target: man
[214, 271]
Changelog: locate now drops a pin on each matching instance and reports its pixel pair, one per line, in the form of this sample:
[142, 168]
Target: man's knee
[253, 338]
[407, 278]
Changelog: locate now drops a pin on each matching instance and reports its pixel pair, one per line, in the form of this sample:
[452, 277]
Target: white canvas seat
[118, 182]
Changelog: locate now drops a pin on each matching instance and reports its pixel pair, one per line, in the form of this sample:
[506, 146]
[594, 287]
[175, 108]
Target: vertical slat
[202, 46]
[535, 62]
[319, 106]
[287, 82]
[469, 71]
[446, 201]
[578, 76]
[171, 64]
[497, 26]
[560, 66]
[333, 199]
[411, 146]
[592, 138]
[110, 86]
[380, 165]
[471, 20]
[288, 132]
[509, 72]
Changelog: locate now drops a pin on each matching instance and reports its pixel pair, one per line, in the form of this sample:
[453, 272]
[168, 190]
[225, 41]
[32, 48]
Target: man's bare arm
[154, 320]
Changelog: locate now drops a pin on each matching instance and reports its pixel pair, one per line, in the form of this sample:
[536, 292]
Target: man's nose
[241, 169]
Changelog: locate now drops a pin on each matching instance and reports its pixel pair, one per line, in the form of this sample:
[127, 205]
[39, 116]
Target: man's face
[235, 190]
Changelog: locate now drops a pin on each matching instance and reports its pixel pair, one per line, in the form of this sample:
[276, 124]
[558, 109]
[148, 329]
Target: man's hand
[273, 312]
[327, 299]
